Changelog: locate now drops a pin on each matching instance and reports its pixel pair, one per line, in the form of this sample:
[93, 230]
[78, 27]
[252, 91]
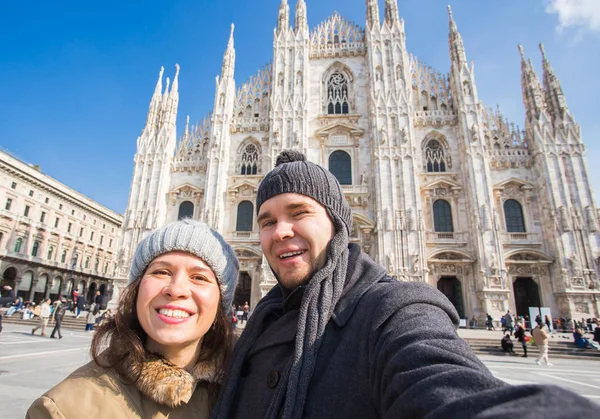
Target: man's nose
[283, 230]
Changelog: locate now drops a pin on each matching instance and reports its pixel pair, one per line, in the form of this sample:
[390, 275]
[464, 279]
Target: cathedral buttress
[566, 192]
[400, 244]
[218, 157]
[289, 115]
[475, 166]
[147, 206]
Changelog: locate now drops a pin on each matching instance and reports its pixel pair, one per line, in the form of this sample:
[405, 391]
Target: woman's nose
[178, 286]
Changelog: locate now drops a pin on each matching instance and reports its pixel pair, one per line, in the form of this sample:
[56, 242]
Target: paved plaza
[30, 365]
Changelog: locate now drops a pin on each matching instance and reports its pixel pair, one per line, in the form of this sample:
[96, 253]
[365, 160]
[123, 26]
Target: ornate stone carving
[564, 219]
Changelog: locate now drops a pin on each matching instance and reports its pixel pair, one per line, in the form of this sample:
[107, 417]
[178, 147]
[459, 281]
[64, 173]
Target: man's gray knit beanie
[293, 174]
[198, 239]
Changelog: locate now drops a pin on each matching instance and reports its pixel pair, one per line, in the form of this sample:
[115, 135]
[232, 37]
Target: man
[58, 314]
[80, 305]
[8, 295]
[510, 325]
[44, 316]
[98, 299]
[338, 338]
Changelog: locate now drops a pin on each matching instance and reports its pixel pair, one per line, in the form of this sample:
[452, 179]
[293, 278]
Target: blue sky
[77, 77]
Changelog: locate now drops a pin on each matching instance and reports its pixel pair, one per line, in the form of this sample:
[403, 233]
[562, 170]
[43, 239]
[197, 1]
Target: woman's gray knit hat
[198, 239]
[293, 174]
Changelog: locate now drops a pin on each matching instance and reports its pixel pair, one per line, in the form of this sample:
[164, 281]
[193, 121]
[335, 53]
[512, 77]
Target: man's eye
[268, 223]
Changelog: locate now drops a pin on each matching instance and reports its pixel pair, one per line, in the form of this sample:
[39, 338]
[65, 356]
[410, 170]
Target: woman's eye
[199, 278]
[161, 272]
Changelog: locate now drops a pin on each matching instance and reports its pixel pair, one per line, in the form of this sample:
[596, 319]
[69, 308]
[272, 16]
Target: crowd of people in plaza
[337, 337]
[53, 312]
[540, 333]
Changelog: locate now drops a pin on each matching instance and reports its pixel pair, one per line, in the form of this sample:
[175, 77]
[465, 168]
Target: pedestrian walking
[489, 322]
[540, 336]
[58, 314]
[44, 317]
[80, 305]
[91, 318]
[548, 323]
[521, 337]
[246, 310]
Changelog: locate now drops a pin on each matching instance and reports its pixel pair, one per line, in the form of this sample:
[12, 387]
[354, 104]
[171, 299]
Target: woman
[163, 352]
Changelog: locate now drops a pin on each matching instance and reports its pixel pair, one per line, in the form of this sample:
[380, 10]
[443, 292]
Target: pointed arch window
[18, 245]
[435, 157]
[442, 217]
[35, 248]
[249, 163]
[87, 262]
[513, 215]
[186, 210]
[340, 165]
[337, 94]
[244, 216]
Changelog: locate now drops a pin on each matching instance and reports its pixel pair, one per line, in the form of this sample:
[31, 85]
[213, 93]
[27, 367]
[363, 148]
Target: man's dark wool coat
[390, 351]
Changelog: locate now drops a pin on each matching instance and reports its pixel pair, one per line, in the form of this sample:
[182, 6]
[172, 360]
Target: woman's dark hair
[120, 340]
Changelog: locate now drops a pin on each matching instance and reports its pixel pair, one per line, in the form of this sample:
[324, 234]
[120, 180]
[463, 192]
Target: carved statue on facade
[415, 263]
[390, 262]
[564, 219]
[591, 220]
[364, 178]
[383, 136]
[577, 224]
[476, 219]
[496, 220]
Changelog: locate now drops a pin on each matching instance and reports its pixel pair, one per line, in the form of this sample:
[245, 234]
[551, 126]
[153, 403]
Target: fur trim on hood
[166, 383]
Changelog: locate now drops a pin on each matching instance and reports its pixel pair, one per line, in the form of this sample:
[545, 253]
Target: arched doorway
[55, 288]
[24, 288]
[9, 278]
[104, 295]
[451, 287]
[40, 289]
[81, 288]
[91, 292]
[527, 294]
[69, 289]
[243, 290]
[186, 210]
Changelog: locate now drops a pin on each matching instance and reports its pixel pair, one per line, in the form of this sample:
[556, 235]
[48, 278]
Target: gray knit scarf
[318, 304]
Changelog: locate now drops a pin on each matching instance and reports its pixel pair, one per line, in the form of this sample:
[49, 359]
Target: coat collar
[166, 383]
[361, 275]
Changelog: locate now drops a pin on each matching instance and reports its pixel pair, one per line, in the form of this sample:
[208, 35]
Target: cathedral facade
[443, 190]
